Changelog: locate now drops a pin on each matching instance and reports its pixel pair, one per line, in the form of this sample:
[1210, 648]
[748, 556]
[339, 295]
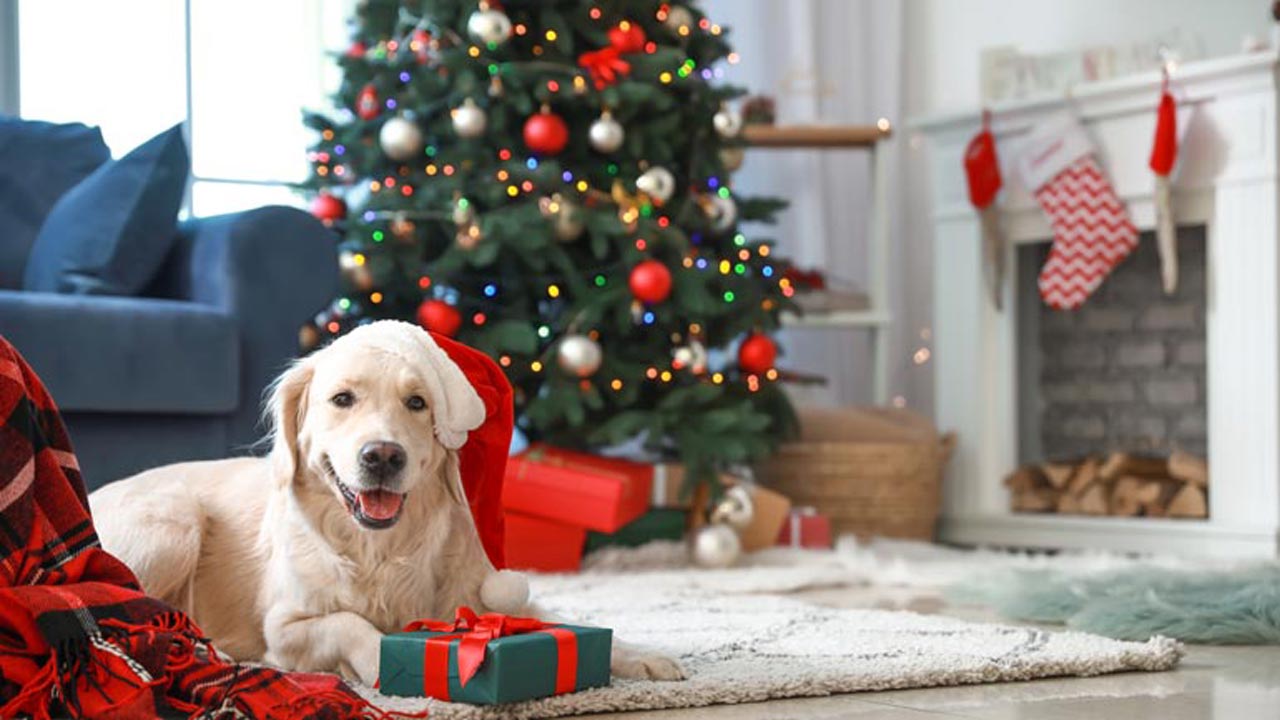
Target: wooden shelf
[816, 136]
[837, 319]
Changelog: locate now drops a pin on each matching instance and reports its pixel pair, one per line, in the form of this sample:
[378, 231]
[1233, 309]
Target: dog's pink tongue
[379, 504]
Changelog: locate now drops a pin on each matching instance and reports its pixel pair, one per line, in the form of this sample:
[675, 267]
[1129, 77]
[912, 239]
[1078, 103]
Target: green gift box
[657, 524]
[553, 660]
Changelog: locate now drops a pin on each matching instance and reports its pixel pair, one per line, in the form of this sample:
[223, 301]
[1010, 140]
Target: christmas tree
[549, 181]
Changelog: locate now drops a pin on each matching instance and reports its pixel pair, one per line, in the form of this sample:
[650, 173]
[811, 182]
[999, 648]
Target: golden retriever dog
[354, 524]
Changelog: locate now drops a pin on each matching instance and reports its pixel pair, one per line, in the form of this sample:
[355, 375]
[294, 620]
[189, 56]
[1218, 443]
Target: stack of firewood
[1121, 484]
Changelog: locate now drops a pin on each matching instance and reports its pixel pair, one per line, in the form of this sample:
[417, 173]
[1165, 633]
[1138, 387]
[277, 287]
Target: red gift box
[534, 543]
[806, 528]
[588, 491]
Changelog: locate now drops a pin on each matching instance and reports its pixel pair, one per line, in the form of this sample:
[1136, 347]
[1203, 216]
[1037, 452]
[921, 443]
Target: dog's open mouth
[374, 509]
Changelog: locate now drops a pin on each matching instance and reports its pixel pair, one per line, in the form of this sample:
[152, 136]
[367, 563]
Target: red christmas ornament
[367, 106]
[328, 208]
[627, 37]
[650, 281]
[356, 50]
[757, 354]
[439, 316]
[546, 133]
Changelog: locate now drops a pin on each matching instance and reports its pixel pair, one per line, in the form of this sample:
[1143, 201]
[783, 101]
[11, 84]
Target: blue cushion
[127, 355]
[41, 162]
[109, 234]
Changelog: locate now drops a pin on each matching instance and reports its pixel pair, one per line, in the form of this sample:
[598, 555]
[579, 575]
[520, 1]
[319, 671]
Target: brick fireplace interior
[1125, 374]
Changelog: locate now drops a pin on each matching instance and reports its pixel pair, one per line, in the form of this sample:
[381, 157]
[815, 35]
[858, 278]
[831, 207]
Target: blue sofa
[177, 373]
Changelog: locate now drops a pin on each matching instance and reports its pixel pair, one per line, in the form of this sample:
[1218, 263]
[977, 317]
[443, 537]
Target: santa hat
[472, 405]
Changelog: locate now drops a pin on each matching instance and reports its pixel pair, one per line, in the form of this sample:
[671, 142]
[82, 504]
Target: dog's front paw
[640, 665]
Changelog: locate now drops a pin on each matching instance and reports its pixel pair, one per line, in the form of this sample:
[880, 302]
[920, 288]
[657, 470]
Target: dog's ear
[453, 477]
[286, 406]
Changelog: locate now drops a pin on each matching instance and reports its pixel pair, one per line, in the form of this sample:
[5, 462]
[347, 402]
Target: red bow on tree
[606, 64]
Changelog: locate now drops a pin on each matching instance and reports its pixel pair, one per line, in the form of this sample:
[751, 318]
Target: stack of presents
[561, 505]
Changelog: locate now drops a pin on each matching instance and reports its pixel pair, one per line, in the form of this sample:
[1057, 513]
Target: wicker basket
[872, 471]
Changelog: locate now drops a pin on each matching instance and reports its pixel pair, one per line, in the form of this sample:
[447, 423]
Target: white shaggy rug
[738, 643]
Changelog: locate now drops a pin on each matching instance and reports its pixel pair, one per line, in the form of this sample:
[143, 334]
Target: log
[1094, 500]
[1119, 464]
[1086, 474]
[1125, 500]
[1058, 474]
[1068, 504]
[1035, 500]
[1025, 478]
[1189, 502]
[1189, 469]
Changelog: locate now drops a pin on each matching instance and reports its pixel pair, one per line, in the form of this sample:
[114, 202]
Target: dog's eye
[415, 403]
[343, 399]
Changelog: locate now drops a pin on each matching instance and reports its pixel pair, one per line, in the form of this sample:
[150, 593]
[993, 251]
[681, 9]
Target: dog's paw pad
[647, 667]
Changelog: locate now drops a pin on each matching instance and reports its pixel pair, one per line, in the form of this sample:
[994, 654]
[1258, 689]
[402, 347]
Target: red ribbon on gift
[475, 632]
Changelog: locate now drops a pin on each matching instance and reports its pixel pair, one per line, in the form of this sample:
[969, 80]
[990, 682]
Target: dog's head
[372, 418]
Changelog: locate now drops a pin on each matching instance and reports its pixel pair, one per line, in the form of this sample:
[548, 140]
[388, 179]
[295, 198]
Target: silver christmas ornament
[658, 183]
[732, 158]
[678, 16]
[722, 211]
[606, 134]
[579, 355]
[489, 26]
[565, 215]
[400, 139]
[735, 509]
[728, 123]
[692, 356]
[469, 120]
[715, 546]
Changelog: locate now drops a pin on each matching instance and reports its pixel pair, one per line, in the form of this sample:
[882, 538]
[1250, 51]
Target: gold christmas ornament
[722, 211]
[566, 216]
[402, 228]
[628, 204]
[732, 158]
[355, 269]
[678, 16]
[308, 337]
[469, 236]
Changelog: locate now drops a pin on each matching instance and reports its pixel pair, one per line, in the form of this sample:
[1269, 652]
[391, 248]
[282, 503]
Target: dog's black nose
[382, 458]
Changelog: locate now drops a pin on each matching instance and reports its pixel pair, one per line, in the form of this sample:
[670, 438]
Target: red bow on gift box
[606, 65]
[475, 632]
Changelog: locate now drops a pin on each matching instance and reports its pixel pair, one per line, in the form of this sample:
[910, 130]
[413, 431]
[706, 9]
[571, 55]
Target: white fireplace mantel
[1228, 179]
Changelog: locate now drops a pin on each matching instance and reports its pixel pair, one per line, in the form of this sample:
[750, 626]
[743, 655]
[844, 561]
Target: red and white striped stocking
[1092, 232]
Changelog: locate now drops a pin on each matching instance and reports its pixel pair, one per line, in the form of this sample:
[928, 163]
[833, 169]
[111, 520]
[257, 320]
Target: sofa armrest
[270, 269]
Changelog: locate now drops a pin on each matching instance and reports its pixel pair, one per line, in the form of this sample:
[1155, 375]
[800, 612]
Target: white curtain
[830, 62]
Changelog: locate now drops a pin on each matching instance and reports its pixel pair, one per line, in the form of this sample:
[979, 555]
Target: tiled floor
[1212, 683]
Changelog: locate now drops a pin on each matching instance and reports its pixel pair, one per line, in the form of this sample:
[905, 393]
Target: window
[237, 72]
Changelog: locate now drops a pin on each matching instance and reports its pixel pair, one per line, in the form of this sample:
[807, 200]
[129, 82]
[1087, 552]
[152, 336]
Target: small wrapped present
[593, 492]
[492, 658]
[657, 524]
[534, 543]
[806, 527]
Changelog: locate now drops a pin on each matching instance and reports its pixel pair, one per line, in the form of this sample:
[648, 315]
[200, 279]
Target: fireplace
[1198, 373]
[1123, 373]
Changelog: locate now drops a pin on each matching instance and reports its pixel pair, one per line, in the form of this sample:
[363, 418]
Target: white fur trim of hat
[455, 406]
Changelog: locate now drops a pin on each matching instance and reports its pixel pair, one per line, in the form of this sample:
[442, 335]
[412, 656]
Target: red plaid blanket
[77, 634]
